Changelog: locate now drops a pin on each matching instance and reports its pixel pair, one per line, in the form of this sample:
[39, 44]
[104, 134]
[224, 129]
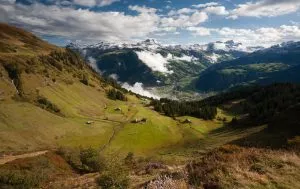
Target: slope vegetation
[276, 64]
[50, 97]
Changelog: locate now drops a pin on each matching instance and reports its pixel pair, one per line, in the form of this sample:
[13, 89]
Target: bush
[46, 104]
[115, 176]
[116, 95]
[129, 159]
[14, 73]
[259, 168]
[234, 121]
[83, 160]
[91, 160]
[85, 79]
[20, 179]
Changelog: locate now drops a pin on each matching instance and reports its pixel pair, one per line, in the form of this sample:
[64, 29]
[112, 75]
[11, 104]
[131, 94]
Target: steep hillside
[276, 64]
[16, 40]
[46, 92]
[50, 97]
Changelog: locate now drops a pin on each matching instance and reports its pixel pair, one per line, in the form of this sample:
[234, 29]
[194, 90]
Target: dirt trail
[8, 158]
[116, 129]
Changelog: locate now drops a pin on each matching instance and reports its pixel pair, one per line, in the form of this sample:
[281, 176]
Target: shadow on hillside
[282, 127]
[264, 139]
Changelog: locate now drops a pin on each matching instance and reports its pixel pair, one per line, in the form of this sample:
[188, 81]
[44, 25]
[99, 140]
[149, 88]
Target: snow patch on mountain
[213, 57]
[139, 89]
[220, 46]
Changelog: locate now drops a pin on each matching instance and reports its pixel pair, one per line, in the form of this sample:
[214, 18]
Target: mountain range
[191, 71]
[279, 63]
[163, 69]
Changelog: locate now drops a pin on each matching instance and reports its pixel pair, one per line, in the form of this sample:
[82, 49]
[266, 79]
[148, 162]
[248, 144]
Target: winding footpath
[8, 158]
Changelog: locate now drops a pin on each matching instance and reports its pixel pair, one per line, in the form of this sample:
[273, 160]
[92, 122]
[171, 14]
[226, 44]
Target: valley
[64, 125]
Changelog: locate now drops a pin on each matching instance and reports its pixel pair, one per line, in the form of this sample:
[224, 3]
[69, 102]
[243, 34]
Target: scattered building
[89, 122]
[118, 109]
[187, 121]
[144, 120]
[136, 120]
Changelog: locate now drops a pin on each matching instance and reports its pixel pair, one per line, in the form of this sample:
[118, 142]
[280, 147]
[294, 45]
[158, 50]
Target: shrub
[14, 73]
[129, 159]
[85, 79]
[259, 168]
[234, 121]
[115, 176]
[91, 160]
[84, 160]
[20, 179]
[46, 104]
[116, 95]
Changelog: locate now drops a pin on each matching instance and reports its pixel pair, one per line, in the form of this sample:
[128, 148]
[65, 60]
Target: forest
[174, 108]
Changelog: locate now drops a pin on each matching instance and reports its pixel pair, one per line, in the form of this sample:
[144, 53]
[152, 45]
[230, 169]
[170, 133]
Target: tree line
[174, 108]
[269, 101]
[116, 95]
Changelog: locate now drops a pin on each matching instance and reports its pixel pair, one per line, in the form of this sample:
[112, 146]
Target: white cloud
[84, 3]
[143, 9]
[265, 36]
[209, 8]
[161, 34]
[88, 3]
[167, 29]
[168, 7]
[139, 89]
[185, 11]
[93, 63]
[265, 8]
[206, 5]
[159, 63]
[200, 31]
[184, 58]
[184, 20]
[114, 76]
[155, 61]
[81, 23]
[218, 10]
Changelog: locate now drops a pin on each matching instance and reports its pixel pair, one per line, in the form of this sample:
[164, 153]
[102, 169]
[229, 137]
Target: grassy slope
[236, 167]
[26, 127]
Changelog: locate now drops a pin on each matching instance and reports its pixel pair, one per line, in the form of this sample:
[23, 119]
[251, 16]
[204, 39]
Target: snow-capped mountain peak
[152, 44]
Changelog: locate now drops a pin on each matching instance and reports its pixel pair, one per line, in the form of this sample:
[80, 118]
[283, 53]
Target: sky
[251, 22]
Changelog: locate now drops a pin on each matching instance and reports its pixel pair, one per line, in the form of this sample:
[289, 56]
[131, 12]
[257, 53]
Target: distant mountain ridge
[275, 64]
[169, 70]
[158, 66]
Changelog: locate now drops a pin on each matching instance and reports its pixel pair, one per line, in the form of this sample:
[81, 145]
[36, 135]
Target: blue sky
[251, 22]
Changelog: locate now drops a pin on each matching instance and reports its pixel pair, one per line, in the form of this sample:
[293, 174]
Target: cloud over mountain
[116, 20]
[267, 8]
